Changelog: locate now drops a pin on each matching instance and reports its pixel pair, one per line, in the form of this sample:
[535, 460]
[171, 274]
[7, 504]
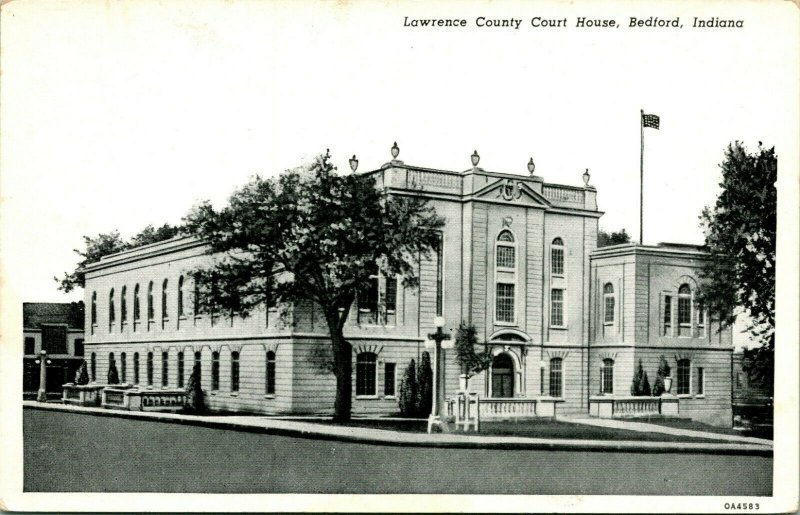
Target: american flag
[650, 120]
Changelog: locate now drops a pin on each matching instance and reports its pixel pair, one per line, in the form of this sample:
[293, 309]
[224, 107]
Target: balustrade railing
[608, 406]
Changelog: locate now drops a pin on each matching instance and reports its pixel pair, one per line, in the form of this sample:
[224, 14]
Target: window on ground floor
[93, 367]
[164, 369]
[365, 373]
[683, 376]
[234, 371]
[388, 379]
[123, 367]
[607, 376]
[556, 378]
[135, 368]
[215, 370]
[30, 345]
[180, 369]
[149, 369]
[701, 381]
[270, 372]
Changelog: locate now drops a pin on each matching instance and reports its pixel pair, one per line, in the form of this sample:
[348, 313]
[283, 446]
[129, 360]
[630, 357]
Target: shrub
[113, 376]
[640, 385]
[82, 375]
[195, 401]
[424, 386]
[471, 362]
[663, 371]
[408, 391]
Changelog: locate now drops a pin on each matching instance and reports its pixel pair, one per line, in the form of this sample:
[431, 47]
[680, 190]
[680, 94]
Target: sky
[114, 116]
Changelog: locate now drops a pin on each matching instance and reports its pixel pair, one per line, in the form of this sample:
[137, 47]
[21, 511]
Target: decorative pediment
[511, 190]
[607, 355]
[270, 346]
[375, 349]
[561, 354]
[683, 355]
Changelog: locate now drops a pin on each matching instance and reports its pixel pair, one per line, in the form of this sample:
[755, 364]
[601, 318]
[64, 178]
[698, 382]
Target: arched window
[164, 368]
[94, 308]
[180, 296]
[93, 367]
[684, 309]
[180, 369]
[136, 307]
[215, 371]
[151, 315]
[123, 305]
[557, 257]
[366, 373]
[111, 366]
[607, 376]
[609, 303]
[502, 376]
[135, 368]
[506, 256]
[234, 371]
[556, 378]
[123, 367]
[111, 310]
[149, 369]
[164, 314]
[684, 372]
[270, 374]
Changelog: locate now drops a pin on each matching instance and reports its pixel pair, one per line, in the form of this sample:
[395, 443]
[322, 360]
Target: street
[68, 452]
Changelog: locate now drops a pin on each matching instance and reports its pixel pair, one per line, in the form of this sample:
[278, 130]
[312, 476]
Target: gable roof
[36, 314]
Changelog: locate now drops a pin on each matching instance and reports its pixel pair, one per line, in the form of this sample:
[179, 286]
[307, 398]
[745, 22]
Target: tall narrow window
[557, 257]
[365, 373]
[123, 306]
[149, 369]
[136, 307]
[30, 345]
[684, 367]
[234, 371]
[196, 295]
[269, 388]
[607, 376]
[389, 379]
[180, 297]
[112, 364]
[165, 369]
[78, 347]
[111, 310]
[198, 362]
[701, 381]
[390, 300]
[667, 315]
[151, 315]
[557, 307]
[180, 369]
[684, 310]
[164, 307]
[93, 367]
[123, 367]
[609, 303]
[504, 304]
[368, 299]
[556, 378]
[215, 371]
[135, 368]
[506, 255]
[94, 308]
[439, 274]
[701, 319]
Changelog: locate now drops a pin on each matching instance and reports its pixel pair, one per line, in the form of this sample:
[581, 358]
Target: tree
[105, 244]
[663, 372]
[424, 399]
[82, 375]
[470, 361]
[605, 239]
[195, 401]
[640, 385]
[740, 233]
[113, 375]
[408, 391]
[311, 235]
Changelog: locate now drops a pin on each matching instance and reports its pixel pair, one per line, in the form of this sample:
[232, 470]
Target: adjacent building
[56, 328]
[517, 259]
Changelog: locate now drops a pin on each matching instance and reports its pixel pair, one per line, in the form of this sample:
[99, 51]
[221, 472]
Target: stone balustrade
[462, 410]
[82, 394]
[613, 406]
[135, 399]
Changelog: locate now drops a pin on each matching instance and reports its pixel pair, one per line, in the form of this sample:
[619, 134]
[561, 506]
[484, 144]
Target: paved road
[76, 452]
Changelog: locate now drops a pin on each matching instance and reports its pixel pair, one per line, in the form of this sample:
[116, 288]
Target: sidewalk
[270, 425]
[657, 428]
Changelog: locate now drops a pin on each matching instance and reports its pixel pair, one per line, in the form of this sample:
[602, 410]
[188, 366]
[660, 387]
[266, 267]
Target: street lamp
[41, 396]
[435, 341]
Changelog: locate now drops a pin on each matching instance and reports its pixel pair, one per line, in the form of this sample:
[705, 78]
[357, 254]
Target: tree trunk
[343, 370]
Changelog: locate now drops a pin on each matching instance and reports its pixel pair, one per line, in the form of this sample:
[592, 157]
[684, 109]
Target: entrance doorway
[502, 376]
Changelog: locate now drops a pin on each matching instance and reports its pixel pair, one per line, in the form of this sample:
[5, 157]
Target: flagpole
[641, 179]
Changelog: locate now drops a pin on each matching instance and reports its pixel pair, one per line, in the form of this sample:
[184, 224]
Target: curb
[390, 438]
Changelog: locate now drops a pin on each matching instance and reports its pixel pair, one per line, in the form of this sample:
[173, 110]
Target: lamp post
[435, 341]
[42, 362]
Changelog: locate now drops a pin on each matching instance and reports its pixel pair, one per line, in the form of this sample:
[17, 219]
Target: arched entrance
[502, 376]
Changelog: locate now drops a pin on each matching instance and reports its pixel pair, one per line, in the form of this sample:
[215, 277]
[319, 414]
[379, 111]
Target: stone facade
[516, 261]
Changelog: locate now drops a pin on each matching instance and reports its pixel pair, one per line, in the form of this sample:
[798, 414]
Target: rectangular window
[136, 368]
[30, 345]
[684, 311]
[365, 374]
[701, 380]
[557, 256]
[270, 372]
[683, 377]
[506, 256]
[234, 371]
[54, 339]
[79, 346]
[164, 369]
[388, 379]
[123, 367]
[607, 378]
[555, 378]
[557, 307]
[439, 275]
[609, 309]
[215, 371]
[504, 309]
[701, 315]
[149, 368]
[368, 302]
[180, 370]
[667, 315]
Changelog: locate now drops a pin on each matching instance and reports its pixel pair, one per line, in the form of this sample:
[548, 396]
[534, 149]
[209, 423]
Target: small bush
[424, 386]
[663, 371]
[408, 391]
[82, 375]
[113, 376]
[195, 401]
[640, 385]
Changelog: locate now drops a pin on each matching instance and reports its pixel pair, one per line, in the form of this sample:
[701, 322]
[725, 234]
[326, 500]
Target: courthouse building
[517, 259]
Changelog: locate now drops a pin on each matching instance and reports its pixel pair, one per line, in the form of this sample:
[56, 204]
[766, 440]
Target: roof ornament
[475, 159]
[395, 150]
[531, 166]
[586, 177]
